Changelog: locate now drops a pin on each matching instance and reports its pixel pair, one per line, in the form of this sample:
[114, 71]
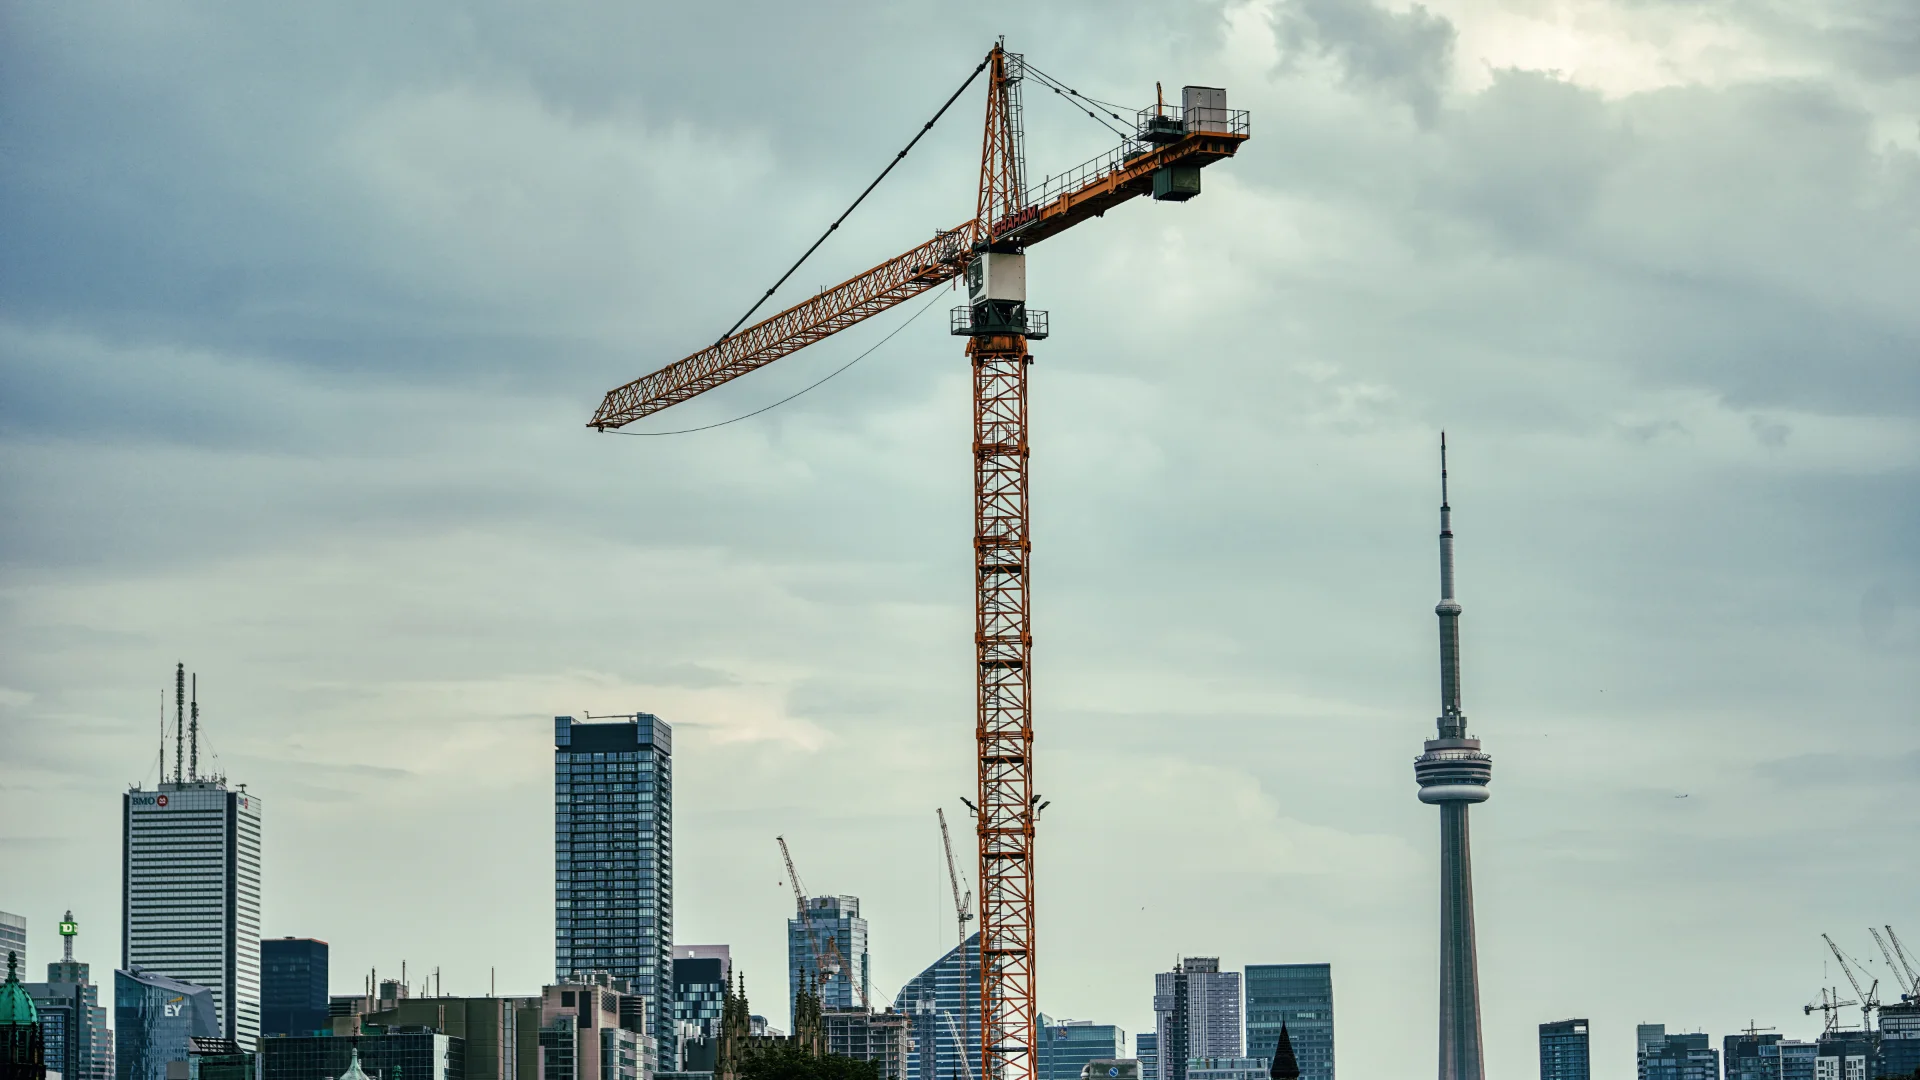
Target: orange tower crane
[1161, 158]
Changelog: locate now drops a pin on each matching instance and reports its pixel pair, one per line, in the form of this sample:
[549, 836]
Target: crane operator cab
[997, 298]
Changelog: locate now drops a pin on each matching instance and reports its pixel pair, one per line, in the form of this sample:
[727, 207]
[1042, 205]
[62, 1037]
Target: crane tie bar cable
[924, 128]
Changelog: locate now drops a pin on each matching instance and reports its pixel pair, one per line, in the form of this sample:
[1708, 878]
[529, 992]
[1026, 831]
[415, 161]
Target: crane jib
[901, 278]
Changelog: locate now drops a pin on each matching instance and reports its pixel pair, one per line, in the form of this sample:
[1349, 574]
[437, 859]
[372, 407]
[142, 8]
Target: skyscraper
[1196, 1014]
[1146, 1048]
[1301, 997]
[1751, 1055]
[74, 1023]
[944, 1001]
[190, 884]
[293, 986]
[1564, 1051]
[1453, 774]
[837, 917]
[613, 859]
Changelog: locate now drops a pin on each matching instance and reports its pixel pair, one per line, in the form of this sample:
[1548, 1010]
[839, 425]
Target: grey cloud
[305, 310]
[1404, 55]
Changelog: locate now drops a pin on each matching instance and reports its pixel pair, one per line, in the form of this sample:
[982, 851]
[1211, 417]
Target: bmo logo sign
[148, 802]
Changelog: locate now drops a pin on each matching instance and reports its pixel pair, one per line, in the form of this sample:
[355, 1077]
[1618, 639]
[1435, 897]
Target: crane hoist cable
[897, 158]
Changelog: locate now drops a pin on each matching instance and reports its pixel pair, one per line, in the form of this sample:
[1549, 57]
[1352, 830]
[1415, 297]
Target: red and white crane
[1162, 158]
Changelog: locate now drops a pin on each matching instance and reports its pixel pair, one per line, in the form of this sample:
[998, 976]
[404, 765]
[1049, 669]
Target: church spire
[1285, 1065]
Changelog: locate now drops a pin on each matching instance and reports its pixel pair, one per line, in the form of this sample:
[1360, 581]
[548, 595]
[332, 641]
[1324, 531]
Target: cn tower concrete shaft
[1453, 775]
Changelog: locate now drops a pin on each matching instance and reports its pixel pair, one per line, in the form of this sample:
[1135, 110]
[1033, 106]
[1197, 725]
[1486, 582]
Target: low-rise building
[1228, 1068]
[154, 1020]
[410, 1054]
[486, 1025]
[863, 1035]
[1146, 1050]
[1679, 1057]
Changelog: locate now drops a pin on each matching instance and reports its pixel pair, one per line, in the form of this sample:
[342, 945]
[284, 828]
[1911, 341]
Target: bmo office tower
[190, 888]
[613, 859]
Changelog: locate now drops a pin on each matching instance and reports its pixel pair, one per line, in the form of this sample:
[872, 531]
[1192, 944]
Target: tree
[784, 1061]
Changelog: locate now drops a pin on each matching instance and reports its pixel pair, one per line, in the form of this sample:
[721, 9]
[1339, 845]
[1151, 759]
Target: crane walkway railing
[1151, 131]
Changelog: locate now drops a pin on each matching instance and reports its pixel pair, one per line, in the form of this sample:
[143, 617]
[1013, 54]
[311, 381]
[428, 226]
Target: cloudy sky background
[305, 306]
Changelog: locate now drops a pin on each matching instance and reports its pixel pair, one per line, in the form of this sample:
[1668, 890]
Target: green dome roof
[16, 1008]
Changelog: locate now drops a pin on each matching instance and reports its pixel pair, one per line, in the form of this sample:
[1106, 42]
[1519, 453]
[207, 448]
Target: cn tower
[1453, 775]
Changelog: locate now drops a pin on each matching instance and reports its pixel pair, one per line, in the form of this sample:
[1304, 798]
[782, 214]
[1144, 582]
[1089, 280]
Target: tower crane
[960, 904]
[1162, 158]
[1829, 1008]
[1869, 999]
[1897, 964]
[827, 960]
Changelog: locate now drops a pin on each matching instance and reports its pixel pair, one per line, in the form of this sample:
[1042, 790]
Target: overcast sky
[303, 309]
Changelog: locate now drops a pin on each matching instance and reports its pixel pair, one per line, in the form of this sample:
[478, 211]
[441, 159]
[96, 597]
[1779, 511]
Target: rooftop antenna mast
[193, 732]
[179, 718]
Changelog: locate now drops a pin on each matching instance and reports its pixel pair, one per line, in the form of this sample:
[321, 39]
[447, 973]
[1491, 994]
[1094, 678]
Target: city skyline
[301, 312]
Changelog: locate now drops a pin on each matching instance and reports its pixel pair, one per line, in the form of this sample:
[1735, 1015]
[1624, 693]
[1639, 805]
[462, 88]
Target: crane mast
[1162, 159]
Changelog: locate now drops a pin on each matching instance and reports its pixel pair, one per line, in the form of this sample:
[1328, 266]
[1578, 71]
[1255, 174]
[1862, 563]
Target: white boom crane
[1898, 964]
[961, 904]
[828, 960]
[1868, 999]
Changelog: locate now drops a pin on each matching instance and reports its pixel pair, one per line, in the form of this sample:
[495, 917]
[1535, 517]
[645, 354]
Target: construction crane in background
[827, 961]
[1161, 158]
[960, 903]
[1829, 1007]
[1902, 971]
[1867, 999]
[959, 1044]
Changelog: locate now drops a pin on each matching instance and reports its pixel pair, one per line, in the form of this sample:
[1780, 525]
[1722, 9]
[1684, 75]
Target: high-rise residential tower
[1300, 997]
[1196, 1014]
[1564, 1053]
[700, 975]
[1453, 775]
[613, 860]
[836, 917]
[293, 986]
[190, 884]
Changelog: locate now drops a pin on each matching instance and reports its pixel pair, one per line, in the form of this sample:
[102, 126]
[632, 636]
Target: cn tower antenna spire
[1453, 774]
[1453, 720]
